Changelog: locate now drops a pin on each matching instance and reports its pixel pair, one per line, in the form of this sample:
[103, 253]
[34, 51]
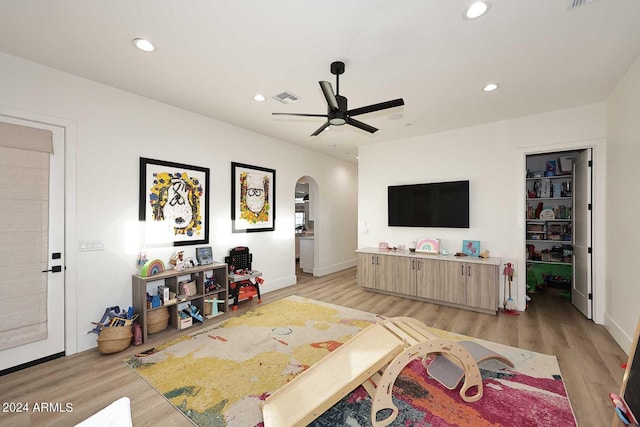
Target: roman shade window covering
[24, 233]
[25, 138]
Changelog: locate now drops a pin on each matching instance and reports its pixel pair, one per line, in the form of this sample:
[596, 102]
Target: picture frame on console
[428, 245]
[173, 203]
[471, 247]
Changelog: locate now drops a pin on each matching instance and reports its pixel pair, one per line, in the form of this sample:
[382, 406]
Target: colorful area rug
[218, 376]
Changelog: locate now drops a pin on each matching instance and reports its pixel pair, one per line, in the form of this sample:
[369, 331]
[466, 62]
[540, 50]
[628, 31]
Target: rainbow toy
[431, 246]
[151, 268]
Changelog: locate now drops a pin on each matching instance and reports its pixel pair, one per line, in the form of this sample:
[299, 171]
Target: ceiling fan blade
[360, 125]
[299, 114]
[376, 107]
[329, 95]
[320, 129]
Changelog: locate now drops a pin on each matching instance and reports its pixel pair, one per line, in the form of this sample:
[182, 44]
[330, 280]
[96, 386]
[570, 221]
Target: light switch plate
[90, 245]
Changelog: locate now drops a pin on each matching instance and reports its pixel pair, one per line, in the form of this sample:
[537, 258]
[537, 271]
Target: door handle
[54, 269]
[469, 267]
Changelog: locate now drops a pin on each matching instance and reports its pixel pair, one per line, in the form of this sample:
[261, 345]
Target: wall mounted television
[440, 204]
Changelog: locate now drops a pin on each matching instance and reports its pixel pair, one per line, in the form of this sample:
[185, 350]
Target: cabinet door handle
[469, 267]
[413, 264]
[372, 260]
[462, 270]
[419, 262]
[377, 260]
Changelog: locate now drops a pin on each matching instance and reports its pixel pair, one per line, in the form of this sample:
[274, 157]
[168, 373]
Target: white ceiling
[214, 56]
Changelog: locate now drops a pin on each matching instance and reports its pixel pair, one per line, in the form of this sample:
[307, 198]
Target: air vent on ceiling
[286, 97]
[577, 3]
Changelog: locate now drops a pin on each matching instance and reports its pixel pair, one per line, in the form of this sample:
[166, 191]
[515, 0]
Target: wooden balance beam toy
[373, 358]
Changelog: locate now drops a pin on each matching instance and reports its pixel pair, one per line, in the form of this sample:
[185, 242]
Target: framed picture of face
[253, 198]
[174, 203]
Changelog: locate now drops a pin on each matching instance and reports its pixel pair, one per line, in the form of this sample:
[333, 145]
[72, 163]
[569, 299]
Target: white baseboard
[323, 271]
[274, 285]
[617, 333]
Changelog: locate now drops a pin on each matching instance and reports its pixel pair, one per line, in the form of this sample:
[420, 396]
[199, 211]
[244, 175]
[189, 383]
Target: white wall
[113, 130]
[623, 158]
[492, 158]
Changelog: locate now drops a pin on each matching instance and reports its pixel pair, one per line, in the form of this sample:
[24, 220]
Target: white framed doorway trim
[597, 145]
[70, 216]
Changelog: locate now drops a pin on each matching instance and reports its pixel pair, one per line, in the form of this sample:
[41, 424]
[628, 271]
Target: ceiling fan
[337, 113]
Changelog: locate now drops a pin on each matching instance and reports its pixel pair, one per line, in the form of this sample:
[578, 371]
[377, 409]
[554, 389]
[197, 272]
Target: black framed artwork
[174, 203]
[253, 198]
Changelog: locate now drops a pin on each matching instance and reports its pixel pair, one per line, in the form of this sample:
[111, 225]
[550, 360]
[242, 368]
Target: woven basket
[114, 339]
[157, 320]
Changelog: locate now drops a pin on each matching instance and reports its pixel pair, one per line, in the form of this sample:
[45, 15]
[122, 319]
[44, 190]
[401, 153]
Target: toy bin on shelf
[157, 320]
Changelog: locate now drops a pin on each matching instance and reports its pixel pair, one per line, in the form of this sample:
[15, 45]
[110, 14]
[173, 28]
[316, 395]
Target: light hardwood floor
[590, 360]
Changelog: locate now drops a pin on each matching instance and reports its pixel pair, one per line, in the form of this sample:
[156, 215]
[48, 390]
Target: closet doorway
[559, 228]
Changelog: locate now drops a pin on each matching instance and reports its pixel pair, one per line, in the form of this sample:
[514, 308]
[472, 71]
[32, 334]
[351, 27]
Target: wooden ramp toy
[373, 358]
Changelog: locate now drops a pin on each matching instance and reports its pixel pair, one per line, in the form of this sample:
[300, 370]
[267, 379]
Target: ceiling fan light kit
[337, 112]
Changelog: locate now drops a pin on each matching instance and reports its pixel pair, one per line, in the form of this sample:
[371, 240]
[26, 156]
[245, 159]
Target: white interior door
[52, 221]
[581, 293]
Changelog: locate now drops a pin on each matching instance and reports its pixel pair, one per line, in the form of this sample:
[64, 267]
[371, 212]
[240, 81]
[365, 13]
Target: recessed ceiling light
[490, 87]
[477, 9]
[259, 97]
[144, 45]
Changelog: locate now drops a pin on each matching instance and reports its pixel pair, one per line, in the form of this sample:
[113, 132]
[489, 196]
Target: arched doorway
[306, 224]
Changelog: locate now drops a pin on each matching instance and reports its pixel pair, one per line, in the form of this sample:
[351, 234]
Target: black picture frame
[253, 198]
[204, 255]
[174, 203]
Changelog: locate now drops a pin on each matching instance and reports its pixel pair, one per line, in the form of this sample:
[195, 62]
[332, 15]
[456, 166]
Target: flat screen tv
[440, 204]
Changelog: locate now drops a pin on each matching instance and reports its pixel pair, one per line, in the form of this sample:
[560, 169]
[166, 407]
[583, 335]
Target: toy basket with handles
[114, 339]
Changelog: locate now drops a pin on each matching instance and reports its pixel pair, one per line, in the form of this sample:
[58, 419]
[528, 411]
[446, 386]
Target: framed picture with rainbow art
[428, 245]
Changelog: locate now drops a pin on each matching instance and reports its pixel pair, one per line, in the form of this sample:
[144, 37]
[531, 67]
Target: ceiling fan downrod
[337, 68]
